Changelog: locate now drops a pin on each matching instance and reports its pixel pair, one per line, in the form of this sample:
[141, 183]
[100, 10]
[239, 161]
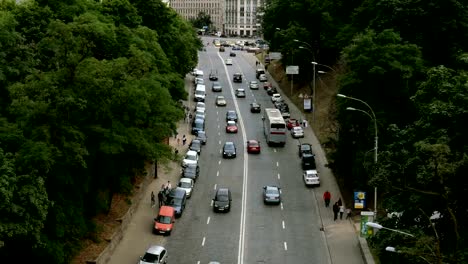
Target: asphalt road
[251, 232]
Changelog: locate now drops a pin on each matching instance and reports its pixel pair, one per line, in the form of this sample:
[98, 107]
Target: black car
[240, 93]
[195, 145]
[191, 171]
[213, 76]
[305, 148]
[237, 77]
[232, 54]
[231, 115]
[229, 150]
[255, 107]
[308, 162]
[271, 91]
[222, 200]
[201, 135]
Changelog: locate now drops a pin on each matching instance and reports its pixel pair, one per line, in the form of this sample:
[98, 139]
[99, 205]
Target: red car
[266, 85]
[253, 146]
[231, 127]
[292, 123]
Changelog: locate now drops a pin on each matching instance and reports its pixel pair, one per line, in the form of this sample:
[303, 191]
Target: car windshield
[305, 147]
[271, 191]
[185, 185]
[150, 258]
[163, 219]
[231, 123]
[201, 134]
[222, 198]
[191, 157]
[220, 97]
[229, 147]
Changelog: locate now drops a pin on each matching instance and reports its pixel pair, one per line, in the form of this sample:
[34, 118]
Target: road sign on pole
[292, 69]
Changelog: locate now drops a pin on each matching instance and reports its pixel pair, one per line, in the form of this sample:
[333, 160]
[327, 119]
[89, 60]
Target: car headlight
[168, 229]
[216, 205]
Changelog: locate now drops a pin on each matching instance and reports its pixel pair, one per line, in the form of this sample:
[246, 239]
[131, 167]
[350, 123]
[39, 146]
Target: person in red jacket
[327, 198]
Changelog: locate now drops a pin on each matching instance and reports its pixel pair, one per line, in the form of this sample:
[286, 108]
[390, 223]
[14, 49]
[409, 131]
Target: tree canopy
[89, 92]
[407, 61]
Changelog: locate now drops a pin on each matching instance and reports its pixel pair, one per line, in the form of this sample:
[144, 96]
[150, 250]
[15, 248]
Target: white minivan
[200, 93]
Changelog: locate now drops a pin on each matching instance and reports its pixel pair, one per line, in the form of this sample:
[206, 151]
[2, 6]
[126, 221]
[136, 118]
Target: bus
[274, 127]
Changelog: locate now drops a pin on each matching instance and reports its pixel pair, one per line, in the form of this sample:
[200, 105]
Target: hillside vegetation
[89, 91]
[407, 60]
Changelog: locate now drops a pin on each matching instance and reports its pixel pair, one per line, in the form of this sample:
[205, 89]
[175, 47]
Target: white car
[190, 158]
[262, 78]
[187, 185]
[228, 61]
[276, 97]
[297, 132]
[198, 80]
[200, 106]
[220, 100]
[253, 85]
[154, 255]
[311, 178]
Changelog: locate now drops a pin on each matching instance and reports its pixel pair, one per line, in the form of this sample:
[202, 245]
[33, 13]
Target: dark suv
[222, 200]
[237, 77]
[231, 115]
[177, 199]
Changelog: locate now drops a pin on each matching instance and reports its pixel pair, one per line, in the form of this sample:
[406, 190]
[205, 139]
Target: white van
[200, 93]
[199, 73]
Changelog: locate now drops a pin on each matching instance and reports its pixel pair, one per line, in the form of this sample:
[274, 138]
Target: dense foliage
[408, 61]
[89, 91]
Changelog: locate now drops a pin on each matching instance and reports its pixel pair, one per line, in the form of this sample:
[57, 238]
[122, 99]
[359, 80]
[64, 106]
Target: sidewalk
[135, 237]
[342, 236]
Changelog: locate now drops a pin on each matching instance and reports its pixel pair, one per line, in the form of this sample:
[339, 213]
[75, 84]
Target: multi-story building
[242, 17]
[189, 9]
[231, 17]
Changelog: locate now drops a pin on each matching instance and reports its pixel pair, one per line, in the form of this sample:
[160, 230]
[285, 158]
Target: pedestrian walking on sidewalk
[178, 141]
[160, 199]
[153, 202]
[327, 198]
[348, 213]
[184, 140]
[342, 209]
[340, 203]
[336, 209]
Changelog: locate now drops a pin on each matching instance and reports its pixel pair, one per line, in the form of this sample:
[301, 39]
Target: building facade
[242, 17]
[189, 9]
[231, 17]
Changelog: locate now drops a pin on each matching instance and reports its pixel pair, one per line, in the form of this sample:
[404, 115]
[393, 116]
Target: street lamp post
[378, 226]
[313, 95]
[376, 138]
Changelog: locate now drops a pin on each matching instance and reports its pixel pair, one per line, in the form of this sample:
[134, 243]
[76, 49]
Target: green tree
[426, 164]
[381, 71]
[202, 20]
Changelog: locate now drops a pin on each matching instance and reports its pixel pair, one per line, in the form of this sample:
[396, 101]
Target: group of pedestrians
[338, 207]
[162, 194]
